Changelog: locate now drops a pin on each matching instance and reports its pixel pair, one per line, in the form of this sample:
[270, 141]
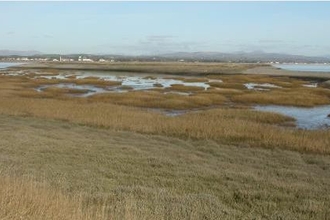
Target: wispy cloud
[48, 36]
[10, 33]
[270, 41]
[154, 44]
[160, 38]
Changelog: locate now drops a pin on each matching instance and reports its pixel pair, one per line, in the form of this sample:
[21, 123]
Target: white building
[87, 60]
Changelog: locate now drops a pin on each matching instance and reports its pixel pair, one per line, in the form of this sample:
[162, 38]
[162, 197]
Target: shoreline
[274, 71]
[173, 68]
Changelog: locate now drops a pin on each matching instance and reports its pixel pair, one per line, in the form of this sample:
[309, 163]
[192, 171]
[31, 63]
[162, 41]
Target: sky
[145, 28]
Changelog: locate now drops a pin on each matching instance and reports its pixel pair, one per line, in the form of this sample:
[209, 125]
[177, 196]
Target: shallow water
[264, 86]
[305, 67]
[136, 82]
[6, 65]
[91, 90]
[306, 118]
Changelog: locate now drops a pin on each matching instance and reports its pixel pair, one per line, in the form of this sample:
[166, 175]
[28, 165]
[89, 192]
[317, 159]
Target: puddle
[174, 113]
[313, 85]
[91, 90]
[179, 93]
[134, 82]
[264, 86]
[306, 118]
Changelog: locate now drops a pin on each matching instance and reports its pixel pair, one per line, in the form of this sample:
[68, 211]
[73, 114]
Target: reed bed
[113, 110]
[238, 127]
[60, 170]
[152, 67]
[22, 198]
[305, 97]
[183, 88]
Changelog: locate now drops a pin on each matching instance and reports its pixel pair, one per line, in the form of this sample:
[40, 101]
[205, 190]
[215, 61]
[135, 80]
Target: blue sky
[162, 27]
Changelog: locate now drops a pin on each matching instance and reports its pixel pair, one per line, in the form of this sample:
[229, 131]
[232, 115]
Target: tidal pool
[260, 86]
[90, 90]
[136, 82]
[306, 118]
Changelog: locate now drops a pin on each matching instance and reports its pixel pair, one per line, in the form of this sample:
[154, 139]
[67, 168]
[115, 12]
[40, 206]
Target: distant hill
[19, 53]
[240, 56]
[256, 56]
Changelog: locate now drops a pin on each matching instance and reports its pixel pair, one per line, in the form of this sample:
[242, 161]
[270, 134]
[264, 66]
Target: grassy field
[72, 171]
[118, 156]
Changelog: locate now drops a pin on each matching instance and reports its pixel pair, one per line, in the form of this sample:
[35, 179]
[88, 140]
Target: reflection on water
[260, 86]
[305, 67]
[90, 89]
[133, 81]
[306, 118]
[6, 65]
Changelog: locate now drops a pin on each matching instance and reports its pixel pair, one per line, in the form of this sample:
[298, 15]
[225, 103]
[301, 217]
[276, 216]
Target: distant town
[271, 58]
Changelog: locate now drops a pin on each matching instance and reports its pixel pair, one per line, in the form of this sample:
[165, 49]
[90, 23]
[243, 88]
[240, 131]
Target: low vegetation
[22, 198]
[174, 68]
[59, 170]
[305, 97]
[239, 127]
[119, 156]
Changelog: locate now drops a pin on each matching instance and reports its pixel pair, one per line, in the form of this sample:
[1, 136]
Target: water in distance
[6, 65]
[306, 118]
[305, 67]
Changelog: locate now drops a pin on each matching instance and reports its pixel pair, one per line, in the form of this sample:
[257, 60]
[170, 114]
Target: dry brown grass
[127, 175]
[98, 110]
[150, 77]
[26, 199]
[306, 97]
[56, 91]
[190, 79]
[96, 82]
[152, 67]
[156, 99]
[224, 91]
[183, 88]
[132, 163]
[239, 127]
[292, 93]
[158, 85]
[125, 87]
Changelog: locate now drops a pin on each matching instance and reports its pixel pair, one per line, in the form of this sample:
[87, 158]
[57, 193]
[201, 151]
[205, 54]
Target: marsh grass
[184, 88]
[158, 85]
[174, 68]
[190, 79]
[232, 88]
[113, 110]
[150, 77]
[156, 99]
[96, 82]
[22, 198]
[306, 97]
[229, 126]
[125, 87]
[52, 169]
[108, 157]
[57, 91]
